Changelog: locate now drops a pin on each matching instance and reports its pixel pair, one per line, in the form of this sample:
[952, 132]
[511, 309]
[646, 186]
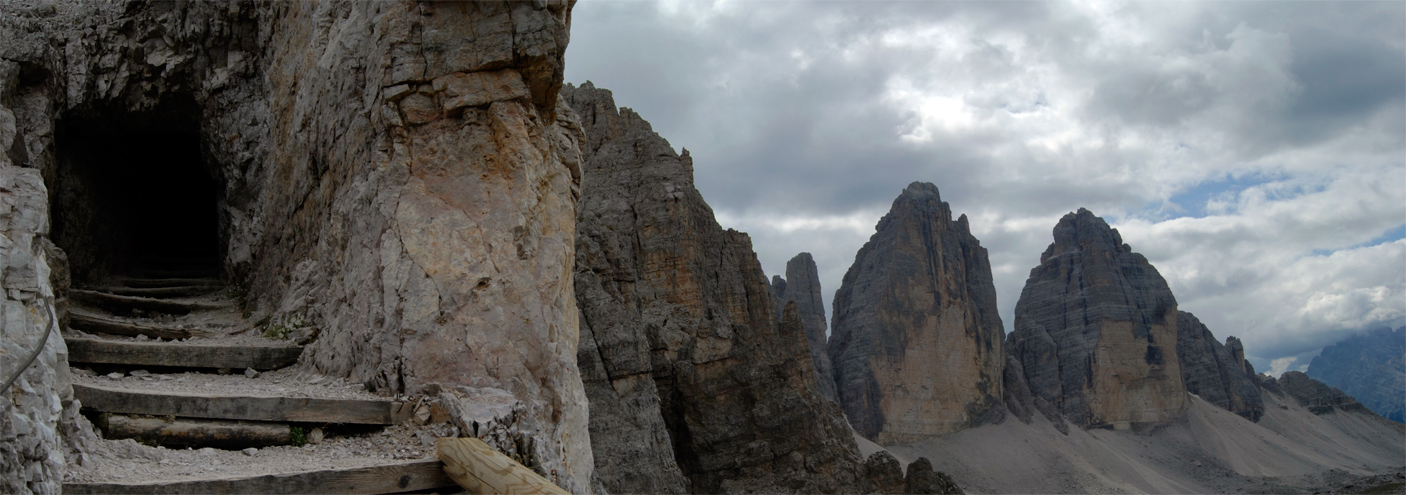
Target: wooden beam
[177, 272]
[181, 432]
[293, 410]
[122, 303]
[480, 469]
[167, 282]
[90, 322]
[176, 291]
[81, 350]
[387, 478]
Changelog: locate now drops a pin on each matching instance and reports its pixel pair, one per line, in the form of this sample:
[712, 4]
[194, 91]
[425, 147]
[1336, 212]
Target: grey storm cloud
[1252, 150]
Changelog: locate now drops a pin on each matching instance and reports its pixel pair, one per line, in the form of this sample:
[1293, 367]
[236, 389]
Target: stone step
[99, 351]
[184, 432]
[148, 282]
[152, 401]
[122, 304]
[95, 323]
[176, 291]
[389, 477]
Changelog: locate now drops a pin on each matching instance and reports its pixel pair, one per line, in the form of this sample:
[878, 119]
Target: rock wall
[1216, 372]
[1370, 367]
[917, 342]
[38, 412]
[1317, 396]
[694, 384]
[400, 174]
[1096, 330]
[31, 450]
[802, 286]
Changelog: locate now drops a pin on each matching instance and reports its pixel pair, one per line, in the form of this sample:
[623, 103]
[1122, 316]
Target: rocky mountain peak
[1216, 372]
[916, 340]
[919, 191]
[1096, 331]
[1084, 231]
[802, 287]
[694, 383]
[1371, 367]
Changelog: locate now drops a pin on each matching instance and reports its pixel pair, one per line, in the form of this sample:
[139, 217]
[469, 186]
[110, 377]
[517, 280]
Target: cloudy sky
[1255, 152]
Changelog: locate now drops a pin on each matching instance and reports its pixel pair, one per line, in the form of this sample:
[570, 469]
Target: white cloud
[1279, 366]
[1255, 152]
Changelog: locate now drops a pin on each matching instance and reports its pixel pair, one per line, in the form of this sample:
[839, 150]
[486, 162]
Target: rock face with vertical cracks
[917, 342]
[694, 384]
[1096, 331]
[802, 286]
[1216, 372]
[400, 174]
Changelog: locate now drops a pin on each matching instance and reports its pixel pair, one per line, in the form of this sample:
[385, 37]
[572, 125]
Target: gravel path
[130, 462]
[287, 382]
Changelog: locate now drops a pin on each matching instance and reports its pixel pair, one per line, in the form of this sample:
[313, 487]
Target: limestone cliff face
[400, 174]
[1370, 367]
[917, 343]
[31, 450]
[1216, 372]
[802, 286]
[694, 384]
[1096, 330]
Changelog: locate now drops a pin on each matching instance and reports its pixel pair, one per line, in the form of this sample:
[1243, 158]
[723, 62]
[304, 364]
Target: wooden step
[94, 323]
[177, 272]
[143, 282]
[119, 303]
[85, 350]
[480, 469]
[276, 409]
[183, 432]
[176, 291]
[386, 478]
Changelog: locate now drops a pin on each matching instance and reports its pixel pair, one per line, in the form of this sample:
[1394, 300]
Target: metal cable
[34, 355]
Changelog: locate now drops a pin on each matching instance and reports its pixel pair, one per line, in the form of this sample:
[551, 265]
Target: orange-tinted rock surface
[1096, 331]
[917, 342]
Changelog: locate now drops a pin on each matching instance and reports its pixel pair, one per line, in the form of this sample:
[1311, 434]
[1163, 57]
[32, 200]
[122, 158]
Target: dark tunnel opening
[133, 196]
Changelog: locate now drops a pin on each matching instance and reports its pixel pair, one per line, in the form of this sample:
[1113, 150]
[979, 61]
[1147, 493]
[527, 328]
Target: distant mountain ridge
[1369, 367]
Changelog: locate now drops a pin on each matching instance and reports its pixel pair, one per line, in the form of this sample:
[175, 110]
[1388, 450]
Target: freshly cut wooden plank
[120, 302]
[293, 410]
[168, 282]
[261, 358]
[480, 469]
[176, 291]
[181, 432]
[90, 322]
[388, 478]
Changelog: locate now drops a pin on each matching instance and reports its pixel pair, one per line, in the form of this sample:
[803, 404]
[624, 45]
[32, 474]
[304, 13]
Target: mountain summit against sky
[1096, 330]
[1369, 367]
[917, 338]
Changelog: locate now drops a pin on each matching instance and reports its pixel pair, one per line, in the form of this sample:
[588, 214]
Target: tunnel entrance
[133, 196]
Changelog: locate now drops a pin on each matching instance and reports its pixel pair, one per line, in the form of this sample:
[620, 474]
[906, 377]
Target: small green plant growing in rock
[280, 331]
[297, 436]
